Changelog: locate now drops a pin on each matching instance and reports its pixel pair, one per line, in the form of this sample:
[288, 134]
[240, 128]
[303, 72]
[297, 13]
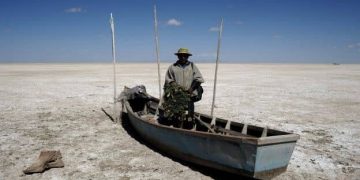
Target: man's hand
[172, 83]
[190, 90]
[194, 85]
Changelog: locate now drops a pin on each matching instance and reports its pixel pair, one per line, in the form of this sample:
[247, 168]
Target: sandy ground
[58, 106]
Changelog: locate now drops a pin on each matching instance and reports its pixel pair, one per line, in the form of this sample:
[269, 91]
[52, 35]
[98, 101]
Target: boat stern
[273, 155]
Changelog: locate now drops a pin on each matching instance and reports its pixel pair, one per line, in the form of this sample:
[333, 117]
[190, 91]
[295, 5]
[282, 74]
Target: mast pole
[216, 66]
[157, 48]
[114, 62]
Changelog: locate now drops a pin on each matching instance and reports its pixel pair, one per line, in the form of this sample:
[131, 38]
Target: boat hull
[237, 155]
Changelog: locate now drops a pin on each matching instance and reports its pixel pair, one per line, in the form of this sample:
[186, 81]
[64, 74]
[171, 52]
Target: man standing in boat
[185, 74]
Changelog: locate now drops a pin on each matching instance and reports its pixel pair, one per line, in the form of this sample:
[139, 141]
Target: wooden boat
[214, 142]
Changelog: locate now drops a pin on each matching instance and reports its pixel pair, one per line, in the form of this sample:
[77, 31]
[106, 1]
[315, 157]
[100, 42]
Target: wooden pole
[216, 66]
[114, 62]
[156, 34]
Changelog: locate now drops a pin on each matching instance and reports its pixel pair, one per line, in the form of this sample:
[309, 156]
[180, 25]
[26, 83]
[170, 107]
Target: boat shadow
[214, 173]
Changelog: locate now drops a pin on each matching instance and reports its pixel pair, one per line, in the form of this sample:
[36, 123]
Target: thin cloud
[239, 23]
[354, 45]
[277, 36]
[174, 22]
[350, 46]
[74, 10]
[214, 29]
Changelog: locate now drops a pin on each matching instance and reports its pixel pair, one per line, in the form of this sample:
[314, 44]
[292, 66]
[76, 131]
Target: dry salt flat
[58, 106]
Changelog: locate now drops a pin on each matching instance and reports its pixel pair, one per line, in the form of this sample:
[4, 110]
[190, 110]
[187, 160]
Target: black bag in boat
[198, 95]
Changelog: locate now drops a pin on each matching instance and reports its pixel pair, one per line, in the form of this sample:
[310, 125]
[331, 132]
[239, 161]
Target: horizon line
[167, 62]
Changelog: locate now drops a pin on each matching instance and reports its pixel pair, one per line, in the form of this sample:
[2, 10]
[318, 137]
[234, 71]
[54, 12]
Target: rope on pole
[216, 66]
[114, 61]
[157, 47]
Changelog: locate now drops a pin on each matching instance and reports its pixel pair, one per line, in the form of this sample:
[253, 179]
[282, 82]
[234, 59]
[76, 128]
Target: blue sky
[291, 31]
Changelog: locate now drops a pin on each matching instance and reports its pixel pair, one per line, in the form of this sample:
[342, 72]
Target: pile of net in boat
[176, 102]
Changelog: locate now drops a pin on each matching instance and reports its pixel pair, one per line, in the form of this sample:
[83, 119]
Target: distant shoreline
[226, 62]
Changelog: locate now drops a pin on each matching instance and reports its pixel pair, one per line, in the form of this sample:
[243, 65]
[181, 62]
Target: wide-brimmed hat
[183, 51]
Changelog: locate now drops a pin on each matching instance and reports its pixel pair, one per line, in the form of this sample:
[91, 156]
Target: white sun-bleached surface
[57, 106]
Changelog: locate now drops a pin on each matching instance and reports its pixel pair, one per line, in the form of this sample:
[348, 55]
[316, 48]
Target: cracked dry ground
[58, 106]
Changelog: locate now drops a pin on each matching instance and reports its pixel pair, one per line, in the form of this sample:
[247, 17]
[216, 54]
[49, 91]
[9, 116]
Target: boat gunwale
[260, 141]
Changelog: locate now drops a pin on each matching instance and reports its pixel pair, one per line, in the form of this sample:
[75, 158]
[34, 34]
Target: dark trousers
[191, 109]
